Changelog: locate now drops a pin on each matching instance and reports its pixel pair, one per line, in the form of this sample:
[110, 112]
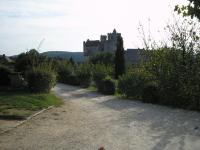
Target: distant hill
[77, 56]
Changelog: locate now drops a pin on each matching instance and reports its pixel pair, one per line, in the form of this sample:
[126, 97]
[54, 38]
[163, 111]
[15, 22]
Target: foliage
[4, 75]
[64, 70]
[71, 60]
[105, 58]
[192, 9]
[84, 74]
[108, 86]
[100, 72]
[119, 58]
[150, 93]
[73, 79]
[133, 83]
[41, 79]
[176, 69]
[28, 60]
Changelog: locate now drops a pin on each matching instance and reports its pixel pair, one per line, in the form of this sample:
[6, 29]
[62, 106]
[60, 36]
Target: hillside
[77, 56]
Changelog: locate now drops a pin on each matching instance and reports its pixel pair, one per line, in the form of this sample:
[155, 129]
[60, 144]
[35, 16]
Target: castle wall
[91, 51]
[110, 46]
[106, 44]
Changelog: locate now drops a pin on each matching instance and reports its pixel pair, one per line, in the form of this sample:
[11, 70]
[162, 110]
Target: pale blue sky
[65, 24]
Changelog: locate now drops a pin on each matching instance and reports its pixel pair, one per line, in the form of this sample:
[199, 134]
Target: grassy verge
[20, 104]
[92, 88]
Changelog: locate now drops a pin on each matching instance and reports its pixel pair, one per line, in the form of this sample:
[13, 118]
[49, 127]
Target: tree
[71, 60]
[119, 58]
[105, 58]
[28, 60]
[192, 9]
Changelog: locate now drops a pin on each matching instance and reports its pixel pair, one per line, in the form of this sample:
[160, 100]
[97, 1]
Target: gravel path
[89, 120]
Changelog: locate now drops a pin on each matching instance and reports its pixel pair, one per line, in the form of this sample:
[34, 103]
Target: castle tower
[103, 38]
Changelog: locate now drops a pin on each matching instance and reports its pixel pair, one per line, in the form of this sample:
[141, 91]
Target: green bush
[4, 75]
[108, 86]
[150, 93]
[104, 58]
[84, 74]
[64, 70]
[41, 80]
[100, 72]
[73, 79]
[132, 84]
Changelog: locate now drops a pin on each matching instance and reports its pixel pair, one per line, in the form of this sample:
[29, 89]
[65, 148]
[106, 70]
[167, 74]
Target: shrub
[27, 60]
[17, 81]
[73, 79]
[100, 72]
[84, 74]
[64, 70]
[104, 58]
[150, 93]
[132, 84]
[4, 75]
[40, 80]
[108, 86]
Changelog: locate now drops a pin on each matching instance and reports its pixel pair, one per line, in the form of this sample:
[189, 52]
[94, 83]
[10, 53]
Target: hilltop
[77, 56]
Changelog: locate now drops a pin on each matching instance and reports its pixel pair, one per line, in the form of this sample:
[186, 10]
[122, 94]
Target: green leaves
[192, 9]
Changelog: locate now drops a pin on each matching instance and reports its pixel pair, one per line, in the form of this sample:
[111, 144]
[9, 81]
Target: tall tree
[119, 58]
[192, 9]
[71, 60]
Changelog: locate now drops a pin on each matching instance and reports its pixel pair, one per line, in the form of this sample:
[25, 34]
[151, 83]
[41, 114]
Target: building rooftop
[92, 43]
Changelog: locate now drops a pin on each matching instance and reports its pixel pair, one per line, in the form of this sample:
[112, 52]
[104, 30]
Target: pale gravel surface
[89, 120]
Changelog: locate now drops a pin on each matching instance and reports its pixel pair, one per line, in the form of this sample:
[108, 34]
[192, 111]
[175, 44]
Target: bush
[150, 93]
[40, 80]
[73, 79]
[132, 84]
[104, 58]
[107, 86]
[84, 74]
[100, 72]
[4, 75]
[128, 85]
[64, 70]
[27, 60]
[17, 81]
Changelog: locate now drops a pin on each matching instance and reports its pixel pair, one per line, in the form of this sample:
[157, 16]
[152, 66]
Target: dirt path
[89, 120]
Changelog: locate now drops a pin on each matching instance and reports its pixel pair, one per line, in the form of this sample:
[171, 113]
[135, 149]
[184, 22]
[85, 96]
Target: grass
[92, 88]
[21, 104]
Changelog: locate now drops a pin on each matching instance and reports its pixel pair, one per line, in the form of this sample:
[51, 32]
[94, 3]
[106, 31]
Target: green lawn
[92, 88]
[21, 104]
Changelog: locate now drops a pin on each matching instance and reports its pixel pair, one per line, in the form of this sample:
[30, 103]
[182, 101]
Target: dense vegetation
[168, 74]
[25, 85]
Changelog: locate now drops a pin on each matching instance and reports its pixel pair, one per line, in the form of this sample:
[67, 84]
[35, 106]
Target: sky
[65, 24]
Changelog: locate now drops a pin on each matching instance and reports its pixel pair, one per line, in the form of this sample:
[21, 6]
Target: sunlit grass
[23, 104]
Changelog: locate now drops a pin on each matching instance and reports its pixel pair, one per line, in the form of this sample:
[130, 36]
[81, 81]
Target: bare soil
[89, 120]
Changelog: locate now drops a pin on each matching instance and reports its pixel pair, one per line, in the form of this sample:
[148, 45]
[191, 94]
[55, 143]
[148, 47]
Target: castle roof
[92, 43]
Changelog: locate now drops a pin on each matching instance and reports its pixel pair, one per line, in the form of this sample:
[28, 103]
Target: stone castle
[108, 43]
